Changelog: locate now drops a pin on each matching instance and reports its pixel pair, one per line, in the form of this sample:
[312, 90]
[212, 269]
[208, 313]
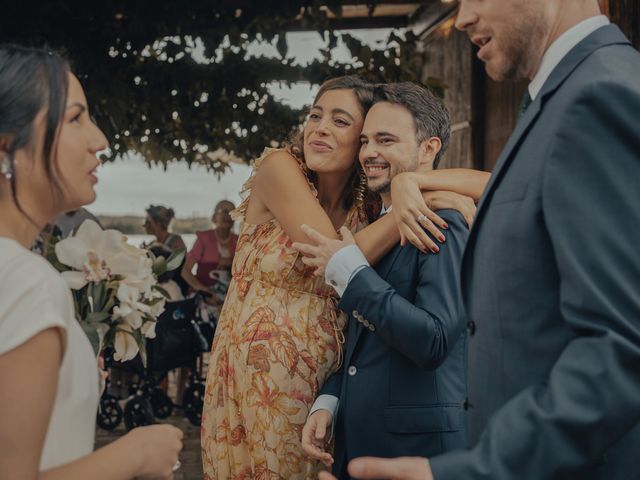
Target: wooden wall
[626, 13]
[448, 58]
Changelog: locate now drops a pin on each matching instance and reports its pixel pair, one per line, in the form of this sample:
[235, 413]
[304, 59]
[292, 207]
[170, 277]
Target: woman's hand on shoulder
[444, 199]
[412, 215]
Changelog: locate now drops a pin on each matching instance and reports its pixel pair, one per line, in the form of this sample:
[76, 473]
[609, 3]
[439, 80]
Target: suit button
[471, 327]
[352, 370]
[466, 405]
[372, 328]
[355, 313]
[365, 323]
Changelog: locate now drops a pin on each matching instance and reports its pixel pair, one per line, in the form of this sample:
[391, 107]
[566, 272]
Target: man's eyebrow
[385, 134]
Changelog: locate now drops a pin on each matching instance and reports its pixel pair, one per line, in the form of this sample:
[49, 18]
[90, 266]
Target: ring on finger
[422, 218]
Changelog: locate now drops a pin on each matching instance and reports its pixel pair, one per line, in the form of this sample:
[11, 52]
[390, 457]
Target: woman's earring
[6, 166]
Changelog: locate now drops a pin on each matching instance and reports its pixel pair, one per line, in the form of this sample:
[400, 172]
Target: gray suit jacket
[551, 283]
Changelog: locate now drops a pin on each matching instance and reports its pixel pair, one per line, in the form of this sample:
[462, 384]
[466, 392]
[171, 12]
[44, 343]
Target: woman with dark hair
[158, 223]
[48, 372]
[279, 335]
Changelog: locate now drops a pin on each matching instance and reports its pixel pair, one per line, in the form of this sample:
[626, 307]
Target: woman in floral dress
[279, 335]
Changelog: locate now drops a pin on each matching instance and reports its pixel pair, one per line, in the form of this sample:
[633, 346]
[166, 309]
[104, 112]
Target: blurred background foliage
[177, 81]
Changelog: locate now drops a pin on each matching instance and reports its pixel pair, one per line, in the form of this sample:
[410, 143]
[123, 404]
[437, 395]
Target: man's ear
[427, 152]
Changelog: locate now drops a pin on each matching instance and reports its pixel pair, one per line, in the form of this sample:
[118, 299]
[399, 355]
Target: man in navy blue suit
[551, 270]
[403, 381]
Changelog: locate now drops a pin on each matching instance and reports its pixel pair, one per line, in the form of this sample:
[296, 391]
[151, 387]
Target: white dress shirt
[341, 268]
[345, 263]
[560, 47]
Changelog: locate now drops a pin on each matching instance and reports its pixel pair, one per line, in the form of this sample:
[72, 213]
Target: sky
[127, 186]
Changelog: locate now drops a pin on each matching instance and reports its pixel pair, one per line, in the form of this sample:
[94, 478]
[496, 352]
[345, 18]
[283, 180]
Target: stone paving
[191, 468]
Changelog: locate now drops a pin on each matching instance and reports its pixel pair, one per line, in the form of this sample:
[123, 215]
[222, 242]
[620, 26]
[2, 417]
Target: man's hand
[318, 255]
[402, 468]
[315, 435]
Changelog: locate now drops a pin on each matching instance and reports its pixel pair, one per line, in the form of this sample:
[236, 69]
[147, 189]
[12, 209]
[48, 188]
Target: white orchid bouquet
[117, 298]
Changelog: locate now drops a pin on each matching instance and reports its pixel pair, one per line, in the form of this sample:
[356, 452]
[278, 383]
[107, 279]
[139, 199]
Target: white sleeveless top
[34, 297]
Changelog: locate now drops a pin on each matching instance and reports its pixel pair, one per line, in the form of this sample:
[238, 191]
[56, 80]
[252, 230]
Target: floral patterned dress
[279, 337]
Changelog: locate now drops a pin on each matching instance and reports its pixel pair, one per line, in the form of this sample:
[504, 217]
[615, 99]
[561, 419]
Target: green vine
[149, 94]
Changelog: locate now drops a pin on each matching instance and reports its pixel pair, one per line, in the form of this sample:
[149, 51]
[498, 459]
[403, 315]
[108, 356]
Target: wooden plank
[626, 14]
[448, 58]
[502, 100]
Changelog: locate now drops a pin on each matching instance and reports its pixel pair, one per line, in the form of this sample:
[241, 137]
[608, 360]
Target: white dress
[34, 297]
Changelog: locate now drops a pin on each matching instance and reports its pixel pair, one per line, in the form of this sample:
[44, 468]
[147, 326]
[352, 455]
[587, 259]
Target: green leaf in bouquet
[159, 266]
[143, 353]
[97, 292]
[110, 303]
[153, 301]
[176, 258]
[139, 338]
[158, 288]
[93, 317]
[113, 282]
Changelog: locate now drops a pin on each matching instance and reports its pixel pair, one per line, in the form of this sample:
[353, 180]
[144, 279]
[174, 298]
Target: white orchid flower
[130, 315]
[149, 329]
[89, 252]
[158, 307]
[124, 344]
[131, 309]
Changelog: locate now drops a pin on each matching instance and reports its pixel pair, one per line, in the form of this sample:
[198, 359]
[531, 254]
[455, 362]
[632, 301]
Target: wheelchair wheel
[192, 401]
[137, 413]
[161, 404]
[109, 413]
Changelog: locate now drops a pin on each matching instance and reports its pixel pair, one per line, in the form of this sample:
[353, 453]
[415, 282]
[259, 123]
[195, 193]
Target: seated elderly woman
[212, 255]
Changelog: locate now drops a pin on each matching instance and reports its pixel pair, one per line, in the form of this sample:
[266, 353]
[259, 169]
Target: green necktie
[524, 103]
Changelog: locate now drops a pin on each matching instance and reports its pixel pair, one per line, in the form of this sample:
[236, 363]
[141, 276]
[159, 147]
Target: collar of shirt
[385, 210]
[559, 49]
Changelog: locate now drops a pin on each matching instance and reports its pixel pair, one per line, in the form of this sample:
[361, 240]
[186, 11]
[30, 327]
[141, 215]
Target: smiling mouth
[375, 169]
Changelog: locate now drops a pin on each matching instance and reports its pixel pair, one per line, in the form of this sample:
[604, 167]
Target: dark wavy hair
[32, 80]
[355, 190]
[430, 115]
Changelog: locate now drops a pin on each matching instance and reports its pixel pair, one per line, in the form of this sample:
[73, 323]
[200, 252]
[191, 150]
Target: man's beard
[518, 44]
[385, 187]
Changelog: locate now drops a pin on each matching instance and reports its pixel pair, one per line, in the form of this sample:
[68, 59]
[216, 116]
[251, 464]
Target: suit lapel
[608, 35]
[356, 328]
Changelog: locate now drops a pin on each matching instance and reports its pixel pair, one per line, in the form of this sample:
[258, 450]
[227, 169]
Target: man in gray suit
[551, 272]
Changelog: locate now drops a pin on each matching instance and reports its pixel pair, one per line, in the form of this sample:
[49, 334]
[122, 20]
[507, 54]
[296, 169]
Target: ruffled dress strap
[241, 212]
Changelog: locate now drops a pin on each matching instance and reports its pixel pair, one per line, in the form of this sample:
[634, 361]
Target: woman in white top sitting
[48, 372]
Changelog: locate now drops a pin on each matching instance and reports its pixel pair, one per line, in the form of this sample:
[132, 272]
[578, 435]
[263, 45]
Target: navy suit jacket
[551, 282]
[403, 380]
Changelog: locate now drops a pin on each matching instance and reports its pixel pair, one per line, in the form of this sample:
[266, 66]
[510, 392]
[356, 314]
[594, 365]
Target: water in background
[137, 240]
